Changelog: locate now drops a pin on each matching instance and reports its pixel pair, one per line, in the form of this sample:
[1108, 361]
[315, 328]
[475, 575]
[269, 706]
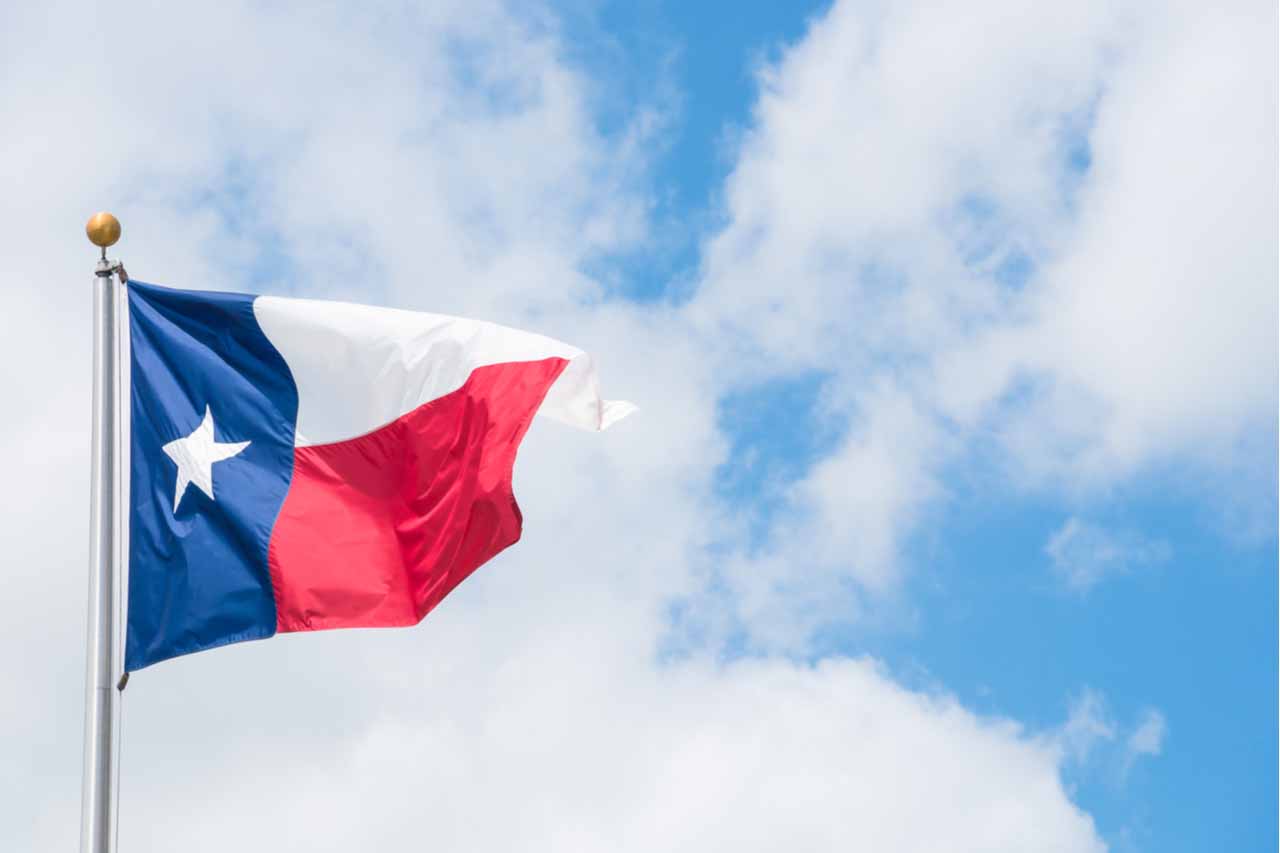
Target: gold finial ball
[103, 229]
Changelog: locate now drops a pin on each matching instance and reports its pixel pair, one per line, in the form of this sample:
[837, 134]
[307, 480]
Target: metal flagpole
[96, 819]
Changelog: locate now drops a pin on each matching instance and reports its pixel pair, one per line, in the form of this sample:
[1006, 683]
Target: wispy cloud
[1088, 724]
[1091, 737]
[1147, 738]
[1084, 554]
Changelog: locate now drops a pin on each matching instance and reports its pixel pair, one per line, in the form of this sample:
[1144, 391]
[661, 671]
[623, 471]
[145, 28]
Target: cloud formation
[1084, 554]
[1091, 739]
[1041, 244]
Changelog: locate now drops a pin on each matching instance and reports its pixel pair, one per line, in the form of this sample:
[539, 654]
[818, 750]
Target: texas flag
[296, 465]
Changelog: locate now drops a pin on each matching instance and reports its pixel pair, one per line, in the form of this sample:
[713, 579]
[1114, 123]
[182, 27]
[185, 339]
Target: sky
[949, 517]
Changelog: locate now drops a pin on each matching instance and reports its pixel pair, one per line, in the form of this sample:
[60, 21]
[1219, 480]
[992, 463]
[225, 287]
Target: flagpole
[97, 795]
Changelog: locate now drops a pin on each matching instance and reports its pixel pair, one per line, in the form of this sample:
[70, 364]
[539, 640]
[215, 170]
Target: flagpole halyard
[96, 821]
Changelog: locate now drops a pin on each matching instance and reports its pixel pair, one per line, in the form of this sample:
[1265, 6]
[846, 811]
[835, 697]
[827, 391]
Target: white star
[195, 456]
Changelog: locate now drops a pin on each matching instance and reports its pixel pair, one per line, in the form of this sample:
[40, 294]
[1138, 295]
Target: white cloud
[1091, 737]
[1170, 275]
[903, 156]
[1083, 554]
[547, 756]
[1145, 741]
[442, 157]
[1147, 738]
[1088, 725]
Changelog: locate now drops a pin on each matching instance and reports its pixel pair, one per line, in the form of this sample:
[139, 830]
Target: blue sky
[1190, 632]
[948, 519]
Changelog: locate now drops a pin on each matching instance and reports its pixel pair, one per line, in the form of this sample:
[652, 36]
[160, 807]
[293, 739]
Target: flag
[297, 465]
